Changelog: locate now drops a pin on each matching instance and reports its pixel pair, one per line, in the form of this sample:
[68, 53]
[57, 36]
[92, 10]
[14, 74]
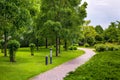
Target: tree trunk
[12, 56]
[5, 45]
[32, 52]
[65, 45]
[46, 41]
[57, 46]
[37, 45]
[2, 50]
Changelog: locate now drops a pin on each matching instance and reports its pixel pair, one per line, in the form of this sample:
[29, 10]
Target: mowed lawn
[103, 66]
[27, 66]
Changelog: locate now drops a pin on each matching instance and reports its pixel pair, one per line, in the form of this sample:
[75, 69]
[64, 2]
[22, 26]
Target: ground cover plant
[27, 66]
[103, 66]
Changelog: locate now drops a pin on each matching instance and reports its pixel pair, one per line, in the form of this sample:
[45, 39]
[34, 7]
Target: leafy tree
[32, 47]
[98, 38]
[16, 14]
[111, 34]
[89, 34]
[55, 28]
[99, 29]
[67, 14]
[13, 46]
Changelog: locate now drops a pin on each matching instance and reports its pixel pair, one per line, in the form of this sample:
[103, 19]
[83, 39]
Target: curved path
[58, 73]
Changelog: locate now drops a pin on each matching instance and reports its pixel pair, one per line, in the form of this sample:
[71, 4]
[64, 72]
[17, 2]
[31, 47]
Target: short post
[50, 55]
[46, 60]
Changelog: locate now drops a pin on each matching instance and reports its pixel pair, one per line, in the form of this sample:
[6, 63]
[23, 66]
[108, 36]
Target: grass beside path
[103, 66]
[28, 66]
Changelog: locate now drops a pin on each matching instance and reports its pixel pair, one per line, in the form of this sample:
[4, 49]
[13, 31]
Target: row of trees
[43, 22]
[93, 35]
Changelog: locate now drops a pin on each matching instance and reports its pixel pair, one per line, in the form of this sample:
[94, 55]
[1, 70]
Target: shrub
[86, 45]
[90, 41]
[106, 47]
[100, 48]
[72, 48]
[32, 47]
[13, 46]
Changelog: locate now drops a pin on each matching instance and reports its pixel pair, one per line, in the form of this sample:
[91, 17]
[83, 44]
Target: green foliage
[1, 43]
[32, 47]
[99, 29]
[90, 41]
[72, 48]
[100, 47]
[98, 38]
[89, 34]
[28, 66]
[13, 46]
[86, 45]
[107, 47]
[103, 66]
[61, 19]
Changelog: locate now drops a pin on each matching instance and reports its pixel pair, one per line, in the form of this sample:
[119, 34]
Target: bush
[100, 48]
[90, 41]
[13, 46]
[72, 48]
[32, 47]
[86, 45]
[106, 47]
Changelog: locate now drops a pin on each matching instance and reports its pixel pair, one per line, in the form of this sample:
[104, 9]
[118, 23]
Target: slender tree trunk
[37, 45]
[32, 52]
[65, 45]
[57, 46]
[5, 45]
[2, 50]
[12, 56]
[46, 41]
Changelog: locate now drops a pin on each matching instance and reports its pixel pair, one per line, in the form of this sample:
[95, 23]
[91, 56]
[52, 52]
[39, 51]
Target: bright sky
[102, 12]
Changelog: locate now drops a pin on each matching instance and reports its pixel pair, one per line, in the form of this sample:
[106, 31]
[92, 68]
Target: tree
[99, 29]
[55, 28]
[69, 14]
[32, 46]
[89, 34]
[111, 33]
[14, 15]
[13, 46]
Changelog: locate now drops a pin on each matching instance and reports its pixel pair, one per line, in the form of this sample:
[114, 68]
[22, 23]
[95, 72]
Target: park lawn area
[103, 66]
[27, 66]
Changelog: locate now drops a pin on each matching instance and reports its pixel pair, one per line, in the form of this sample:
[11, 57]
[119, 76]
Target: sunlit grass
[27, 66]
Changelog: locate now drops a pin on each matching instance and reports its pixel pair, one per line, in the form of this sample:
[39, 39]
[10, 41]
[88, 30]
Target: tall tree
[14, 15]
[99, 29]
[68, 13]
[111, 34]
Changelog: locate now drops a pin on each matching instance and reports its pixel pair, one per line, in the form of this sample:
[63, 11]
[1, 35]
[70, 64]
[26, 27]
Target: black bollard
[46, 60]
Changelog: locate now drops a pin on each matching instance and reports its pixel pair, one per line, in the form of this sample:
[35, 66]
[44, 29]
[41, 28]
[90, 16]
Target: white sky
[102, 12]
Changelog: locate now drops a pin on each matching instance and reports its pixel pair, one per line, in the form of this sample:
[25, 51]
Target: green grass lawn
[103, 66]
[27, 66]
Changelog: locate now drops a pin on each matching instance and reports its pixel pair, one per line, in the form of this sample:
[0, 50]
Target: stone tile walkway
[58, 73]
